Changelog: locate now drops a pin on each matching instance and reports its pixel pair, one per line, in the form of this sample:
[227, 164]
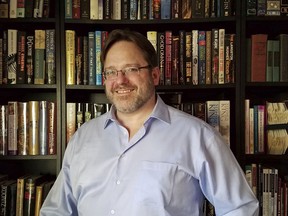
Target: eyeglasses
[112, 73]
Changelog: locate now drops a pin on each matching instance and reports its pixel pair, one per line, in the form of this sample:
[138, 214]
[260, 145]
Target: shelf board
[28, 157]
[28, 86]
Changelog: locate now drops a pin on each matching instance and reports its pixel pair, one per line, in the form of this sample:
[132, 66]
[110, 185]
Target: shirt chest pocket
[153, 183]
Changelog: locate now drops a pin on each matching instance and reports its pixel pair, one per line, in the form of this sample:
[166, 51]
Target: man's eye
[131, 69]
[110, 72]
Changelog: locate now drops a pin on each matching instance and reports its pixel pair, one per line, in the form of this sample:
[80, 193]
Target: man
[144, 158]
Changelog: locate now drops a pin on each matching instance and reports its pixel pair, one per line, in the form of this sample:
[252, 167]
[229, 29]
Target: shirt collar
[159, 112]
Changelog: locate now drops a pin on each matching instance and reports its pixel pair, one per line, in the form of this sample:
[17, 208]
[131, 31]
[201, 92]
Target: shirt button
[112, 211]
[118, 182]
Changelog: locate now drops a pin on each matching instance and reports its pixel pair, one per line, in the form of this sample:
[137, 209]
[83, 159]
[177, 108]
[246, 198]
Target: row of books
[267, 7]
[215, 112]
[27, 58]
[25, 9]
[267, 58]
[189, 57]
[259, 137]
[79, 113]
[147, 9]
[28, 128]
[269, 187]
[24, 195]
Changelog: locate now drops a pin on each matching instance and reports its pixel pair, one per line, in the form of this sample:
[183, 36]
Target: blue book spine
[98, 65]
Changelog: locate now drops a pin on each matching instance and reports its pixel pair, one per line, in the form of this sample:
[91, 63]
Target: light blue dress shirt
[166, 169]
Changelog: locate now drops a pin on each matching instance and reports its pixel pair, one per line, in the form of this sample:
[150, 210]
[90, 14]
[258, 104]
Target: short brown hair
[137, 38]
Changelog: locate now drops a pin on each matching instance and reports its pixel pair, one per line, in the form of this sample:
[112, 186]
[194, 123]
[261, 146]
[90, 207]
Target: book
[29, 9]
[23, 128]
[224, 120]
[168, 59]
[202, 57]
[70, 120]
[175, 60]
[283, 40]
[85, 9]
[76, 12]
[7, 204]
[98, 65]
[195, 57]
[251, 8]
[85, 66]
[50, 56]
[79, 60]
[30, 55]
[91, 58]
[94, 10]
[46, 9]
[12, 56]
[213, 114]
[4, 9]
[1, 60]
[68, 9]
[182, 53]
[33, 128]
[186, 9]
[199, 110]
[273, 8]
[20, 194]
[21, 57]
[269, 62]
[13, 9]
[43, 129]
[221, 69]
[165, 9]
[208, 57]
[20, 9]
[188, 57]
[247, 124]
[215, 56]
[258, 57]
[70, 56]
[51, 131]
[30, 193]
[79, 115]
[152, 37]
[161, 56]
[116, 9]
[198, 7]
[39, 60]
[88, 109]
[276, 61]
[12, 127]
[3, 129]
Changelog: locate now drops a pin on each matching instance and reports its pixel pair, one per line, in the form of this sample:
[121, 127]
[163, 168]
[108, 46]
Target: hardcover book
[91, 57]
[70, 120]
[50, 56]
[39, 61]
[43, 129]
[21, 57]
[175, 60]
[182, 57]
[79, 60]
[33, 128]
[85, 9]
[3, 129]
[258, 57]
[215, 56]
[23, 128]
[195, 57]
[212, 110]
[202, 57]
[188, 57]
[70, 57]
[224, 116]
[168, 57]
[161, 56]
[208, 57]
[98, 65]
[52, 132]
[85, 66]
[20, 8]
[221, 72]
[30, 55]
[12, 56]
[12, 127]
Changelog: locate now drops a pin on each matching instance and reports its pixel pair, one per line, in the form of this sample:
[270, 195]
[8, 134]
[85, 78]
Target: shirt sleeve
[60, 200]
[223, 181]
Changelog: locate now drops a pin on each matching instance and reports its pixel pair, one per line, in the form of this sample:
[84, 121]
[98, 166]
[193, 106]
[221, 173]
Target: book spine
[198, 8]
[247, 126]
[251, 8]
[12, 127]
[168, 59]
[1, 61]
[195, 47]
[116, 9]
[12, 56]
[284, 7]
[91, 56]
[182, 53]
[39, 62]
[94, 10]
[161, 56]
[13, 9]
[276, 61]
[68, 9]
[33, 128]
[213, 114]
[20, 8]
[227, 67]
[70, 57]
[43, 129]
[175, 60]
[23, 128]
[70, 120]
[224, 115]
[188, 57]
[199, 110]
[79, 115]
[79, 60]
[215, 56]
[51, 137]
[186, 9]
[21, 58]
[85, 9]
[165, 9]
[85, 61]
[208, 57]
[283, 38]
[207, 9]
[3, 129]
[4, 10]
[269, 62]
[30, 55]
[98, 66]
[107, 9]
[202, 56]
[5, 57]
[50, 56]
[36, 8]
[76, 9]
[175, 9]
[46, 9]
[87, 112]
[221, 72]
[125, 9]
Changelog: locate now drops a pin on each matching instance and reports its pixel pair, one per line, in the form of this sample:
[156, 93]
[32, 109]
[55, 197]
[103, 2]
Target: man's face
[132, 91]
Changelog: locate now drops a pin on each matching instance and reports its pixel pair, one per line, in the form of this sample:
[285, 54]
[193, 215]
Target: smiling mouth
[124, 91]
